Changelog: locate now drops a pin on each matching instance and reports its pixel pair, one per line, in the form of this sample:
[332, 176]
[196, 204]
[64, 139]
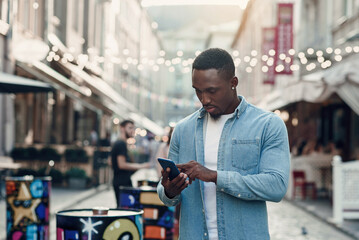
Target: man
[122, 166]
[235, 156]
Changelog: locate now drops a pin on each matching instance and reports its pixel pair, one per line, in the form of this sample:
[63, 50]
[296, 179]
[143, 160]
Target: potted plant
[77, 178]
[76, 155]
[20, 153]
[56, 175]
[48, 153]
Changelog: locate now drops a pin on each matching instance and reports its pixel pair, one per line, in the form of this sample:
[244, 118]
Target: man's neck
[234, 105]
[123, 137]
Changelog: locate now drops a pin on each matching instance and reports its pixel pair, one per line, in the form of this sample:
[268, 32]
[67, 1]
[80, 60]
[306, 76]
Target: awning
[114, 100]
[14, 84]
[309, 91]
[58, 81]
[99, 85]
[342, 78]
[35, 67]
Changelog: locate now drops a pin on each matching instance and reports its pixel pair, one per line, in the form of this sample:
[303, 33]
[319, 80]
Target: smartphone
[165, 163]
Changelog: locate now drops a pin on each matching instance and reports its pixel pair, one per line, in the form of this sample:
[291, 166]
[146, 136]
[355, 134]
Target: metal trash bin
[158, 219]
[28, 207]
[99, 223]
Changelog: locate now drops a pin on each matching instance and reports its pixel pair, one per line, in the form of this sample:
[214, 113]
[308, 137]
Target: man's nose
[205, 99]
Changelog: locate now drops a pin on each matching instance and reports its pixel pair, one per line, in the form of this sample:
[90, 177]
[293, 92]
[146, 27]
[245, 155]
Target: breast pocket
[245, 153]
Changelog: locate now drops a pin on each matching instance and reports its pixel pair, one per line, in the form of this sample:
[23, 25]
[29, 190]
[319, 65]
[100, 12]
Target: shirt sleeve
[173, 155]
[121, 148]
[271, 182]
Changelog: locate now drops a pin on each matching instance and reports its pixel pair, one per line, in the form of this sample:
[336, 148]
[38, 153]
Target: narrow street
[286, 222]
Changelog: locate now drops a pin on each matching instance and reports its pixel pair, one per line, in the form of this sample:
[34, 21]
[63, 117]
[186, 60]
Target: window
[30, 16]
[4, 8]
[76, 15]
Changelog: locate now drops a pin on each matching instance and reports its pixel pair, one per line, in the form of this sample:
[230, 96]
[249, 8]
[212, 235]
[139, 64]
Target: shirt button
[222, 190]
[239, 194]
[205, 234]
[202, 210]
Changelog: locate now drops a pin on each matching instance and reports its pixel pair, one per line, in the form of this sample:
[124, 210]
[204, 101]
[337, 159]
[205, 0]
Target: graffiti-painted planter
[158, 219]
[28, 207]
[93, 224]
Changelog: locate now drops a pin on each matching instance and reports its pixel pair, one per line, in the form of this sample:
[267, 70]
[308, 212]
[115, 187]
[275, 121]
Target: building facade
[89, 52]
[318, 97]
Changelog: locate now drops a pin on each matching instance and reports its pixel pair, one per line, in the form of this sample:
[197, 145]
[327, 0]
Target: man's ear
[234, 82]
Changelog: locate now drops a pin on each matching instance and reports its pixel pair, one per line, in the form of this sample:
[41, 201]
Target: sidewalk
[65, 198]
[322, 209]
[60, 199]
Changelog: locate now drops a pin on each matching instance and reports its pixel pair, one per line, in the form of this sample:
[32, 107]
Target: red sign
[268, 43]
[284, 38]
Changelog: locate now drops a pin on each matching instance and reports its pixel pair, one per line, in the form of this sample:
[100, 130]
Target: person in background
[235, 156]
[355, 155]
[335, 148]
[121, 163]
[93, 137]
[163, 150]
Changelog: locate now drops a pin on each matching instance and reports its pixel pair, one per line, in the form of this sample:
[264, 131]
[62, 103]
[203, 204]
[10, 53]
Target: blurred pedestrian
[93, 137]
[235, 155]
[121, 163]
[163, 150]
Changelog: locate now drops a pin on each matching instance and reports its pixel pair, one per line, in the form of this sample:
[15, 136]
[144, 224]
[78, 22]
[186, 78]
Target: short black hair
[125, 122]
[215, 58]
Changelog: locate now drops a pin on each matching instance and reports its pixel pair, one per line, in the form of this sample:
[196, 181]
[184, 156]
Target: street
[286, 222]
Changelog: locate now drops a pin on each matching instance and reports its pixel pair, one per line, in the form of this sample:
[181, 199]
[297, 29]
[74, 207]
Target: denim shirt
[252, 168]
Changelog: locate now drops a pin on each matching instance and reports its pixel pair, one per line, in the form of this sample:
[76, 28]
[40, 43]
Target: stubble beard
[215, 116]
[128, 135]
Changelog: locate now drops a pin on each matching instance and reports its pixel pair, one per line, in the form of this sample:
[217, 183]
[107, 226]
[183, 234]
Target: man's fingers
[180, 167]
[166, 173]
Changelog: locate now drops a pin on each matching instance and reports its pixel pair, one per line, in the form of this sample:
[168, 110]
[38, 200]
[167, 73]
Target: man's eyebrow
[211, 88]
[207, 89]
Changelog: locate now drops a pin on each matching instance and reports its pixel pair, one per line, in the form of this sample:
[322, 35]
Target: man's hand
[194, 170]
[176, 186]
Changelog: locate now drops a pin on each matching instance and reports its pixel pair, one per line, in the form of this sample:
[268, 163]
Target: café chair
[300, 183]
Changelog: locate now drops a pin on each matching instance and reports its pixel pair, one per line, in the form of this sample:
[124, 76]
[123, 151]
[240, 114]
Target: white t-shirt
[213, 133]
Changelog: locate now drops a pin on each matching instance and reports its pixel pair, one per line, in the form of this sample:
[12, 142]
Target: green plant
[48, 153]
[20, 153]
[76, 173]
[76, 155]
[32, 153]
[17, 153]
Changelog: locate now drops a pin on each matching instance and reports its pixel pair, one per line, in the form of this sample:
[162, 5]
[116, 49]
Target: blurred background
[72, 70]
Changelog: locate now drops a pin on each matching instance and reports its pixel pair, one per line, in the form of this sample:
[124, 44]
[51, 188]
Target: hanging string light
[308, 59]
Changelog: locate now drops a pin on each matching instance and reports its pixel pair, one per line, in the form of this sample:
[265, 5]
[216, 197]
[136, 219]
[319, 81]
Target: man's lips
[209, 108]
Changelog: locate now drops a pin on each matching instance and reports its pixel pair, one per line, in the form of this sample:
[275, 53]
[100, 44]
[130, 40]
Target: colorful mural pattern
[71, 225]
[27, 210]
[158, 218]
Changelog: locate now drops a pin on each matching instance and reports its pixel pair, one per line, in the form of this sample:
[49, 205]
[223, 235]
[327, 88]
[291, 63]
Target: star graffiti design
[21, 212]
[89, 227]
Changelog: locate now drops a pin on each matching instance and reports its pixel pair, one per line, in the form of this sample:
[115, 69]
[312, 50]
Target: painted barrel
[28, 207]
[150, 183]
[158, 219]
[99, 223]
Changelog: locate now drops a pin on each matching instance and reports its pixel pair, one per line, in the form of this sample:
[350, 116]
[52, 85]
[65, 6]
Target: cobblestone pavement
[286, 222]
